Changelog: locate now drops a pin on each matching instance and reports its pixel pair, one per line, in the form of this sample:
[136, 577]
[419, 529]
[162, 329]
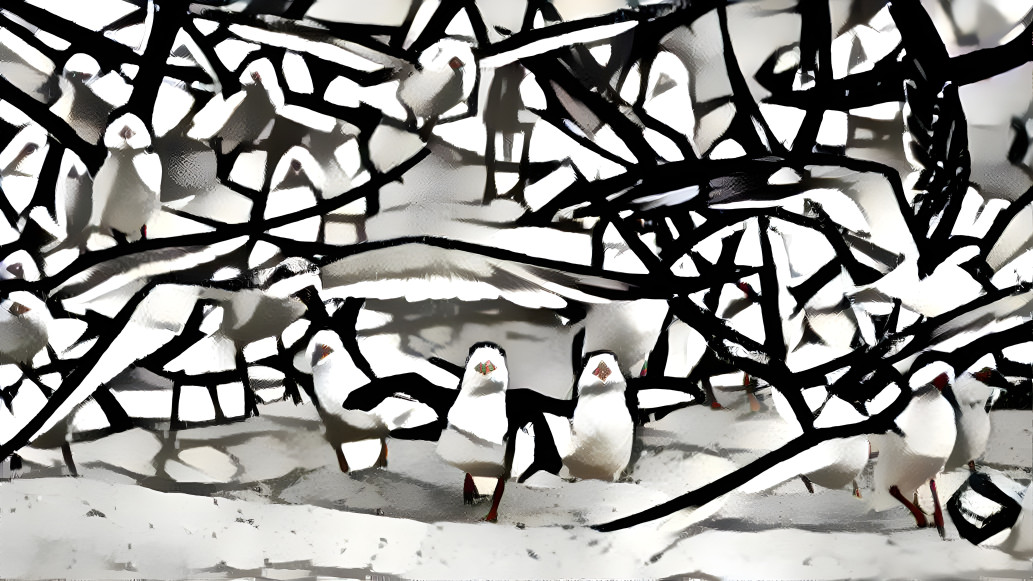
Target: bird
[252, 112]
[84, 110]
[264, 308]
[34, 77]
[75, 192]
[968, 397]
[833, 463]
[292, 192]
[474, 440]
[601, 428]
[125, 188]
[335, 376]
[25, 321]
[443, 77]
[914, 456]
[189, 165]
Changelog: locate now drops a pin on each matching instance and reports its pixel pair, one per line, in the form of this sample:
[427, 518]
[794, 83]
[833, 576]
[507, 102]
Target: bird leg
[709, 390]
[382, 459]
[937, 511]
[857, 490]
[915, 511]
[754, 402]
[66, 452]
[972, 465]
[496, 498]
[341, 460]
[807, 483]
[469, 490]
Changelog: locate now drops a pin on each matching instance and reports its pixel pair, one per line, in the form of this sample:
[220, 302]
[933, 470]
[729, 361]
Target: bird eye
[16, 270]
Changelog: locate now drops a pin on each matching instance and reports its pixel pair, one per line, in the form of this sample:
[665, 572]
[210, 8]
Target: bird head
[486, 369]
[600, 374]
[127, 132]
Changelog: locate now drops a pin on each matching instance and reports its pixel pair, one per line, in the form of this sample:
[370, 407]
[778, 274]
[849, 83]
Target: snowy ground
[264, 498]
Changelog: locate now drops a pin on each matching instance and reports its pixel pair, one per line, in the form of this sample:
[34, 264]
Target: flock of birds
[945, 426]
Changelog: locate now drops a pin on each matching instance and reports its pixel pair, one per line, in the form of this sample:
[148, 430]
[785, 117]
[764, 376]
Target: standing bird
[475, 439]
[443, 77]
[916, 454]
[968, 397]
[833, 463]
[602, 429]
[79, 105]
[335, 376]
[126, 186]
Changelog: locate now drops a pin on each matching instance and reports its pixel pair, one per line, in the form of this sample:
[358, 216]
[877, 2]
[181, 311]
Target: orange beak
[324, 351]
[18, 309]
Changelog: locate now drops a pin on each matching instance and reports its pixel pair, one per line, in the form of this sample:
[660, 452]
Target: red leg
[709, 391]
[469, 490]
[382, 459]
[493, 514]
[915, 511]
[937, 511]
[972, 465]
[341, 460]
[807, 483]
[857, 490]
[754, 402]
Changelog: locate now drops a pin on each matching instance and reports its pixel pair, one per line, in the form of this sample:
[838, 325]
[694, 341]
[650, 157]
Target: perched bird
[79, 105]
[335, 376]
[24, 327]
[443, 77]
[602, 428]
[475, 439]
[75, 194]
[913, 457]
[968, 397]
[292, 192]
[32, 76]
[188, 165]
[252, 112]
[125, 189]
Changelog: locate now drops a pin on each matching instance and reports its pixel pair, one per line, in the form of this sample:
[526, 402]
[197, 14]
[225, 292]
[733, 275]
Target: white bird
[79, 105]
[24, 327]
[475, 439]
[126, 186]
[75, 194]
[833, 463]
[602, 429]
[292, 192]
[253, 111]
[1020, 540]
[335, 376]
[909, 461]
[444, 77]
[969, 395]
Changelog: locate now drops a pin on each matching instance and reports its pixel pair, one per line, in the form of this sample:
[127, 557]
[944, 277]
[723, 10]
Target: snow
[264, 498]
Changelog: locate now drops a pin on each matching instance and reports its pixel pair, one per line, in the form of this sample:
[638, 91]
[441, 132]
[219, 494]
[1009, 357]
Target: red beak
[941, 381]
